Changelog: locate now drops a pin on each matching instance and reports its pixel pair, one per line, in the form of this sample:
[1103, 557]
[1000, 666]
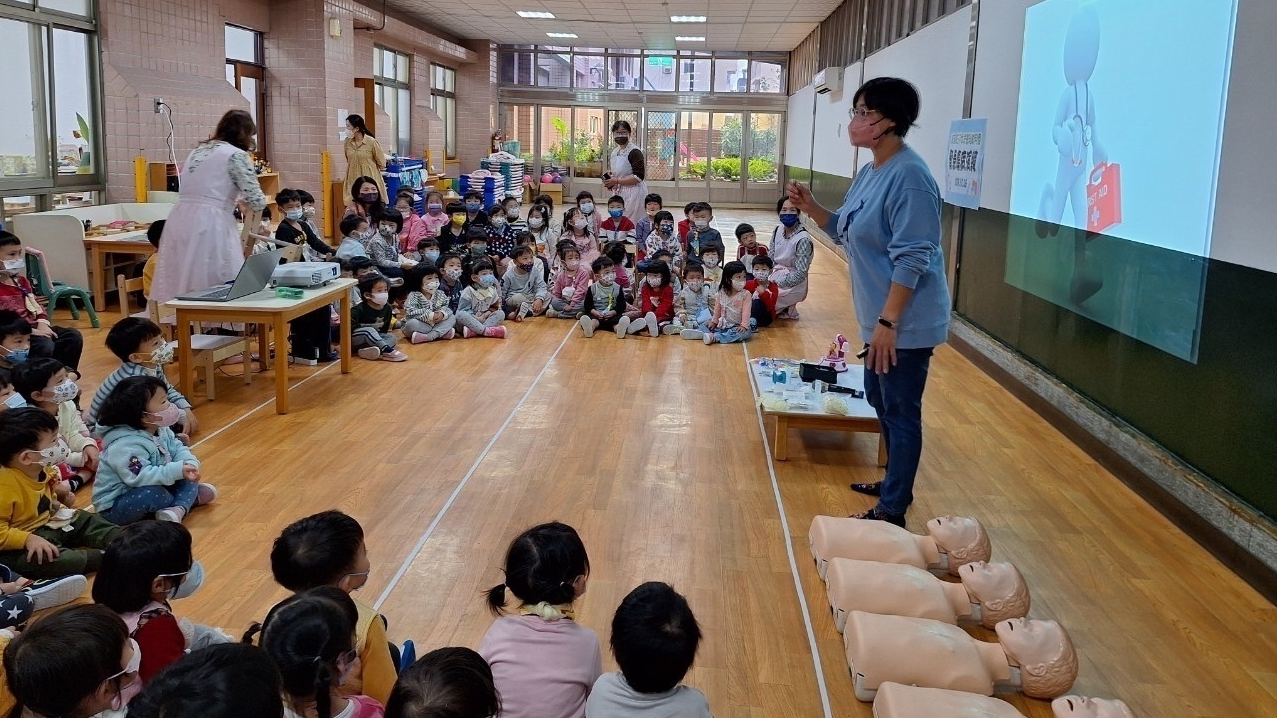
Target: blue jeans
[732, 335]
[897, 398]
[136, 504]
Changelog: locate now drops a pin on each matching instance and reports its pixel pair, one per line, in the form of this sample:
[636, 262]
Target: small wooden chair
[207, 350]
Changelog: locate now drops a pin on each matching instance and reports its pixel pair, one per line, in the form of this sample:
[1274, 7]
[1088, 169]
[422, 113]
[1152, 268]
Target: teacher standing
[364, 156]
[201, 247]
[889, 224]
[628, 171]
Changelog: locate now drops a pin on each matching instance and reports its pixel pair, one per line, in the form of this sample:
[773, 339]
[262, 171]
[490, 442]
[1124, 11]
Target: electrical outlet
[159, 101]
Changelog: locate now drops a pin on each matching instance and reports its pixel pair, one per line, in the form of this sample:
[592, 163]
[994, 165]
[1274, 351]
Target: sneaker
[653, 326]
[172, 513]
[369, 353]
[50, 592]
[207, 494]
[419, 338]
[692, 334]
[622, 327]
[552, 313]
[877, 514]
[873, 489]
[451, 333]
[587, 326]
[466, 333]
[524, 310]
[494, 332]
[671, 329]
[636, 326]
[709, 338]
[394, 355]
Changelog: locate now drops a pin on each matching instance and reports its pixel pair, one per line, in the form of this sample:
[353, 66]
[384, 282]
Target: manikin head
[962, 537]
[1082, 45]
[998, 588]
[1044, 653]
[1079, 707]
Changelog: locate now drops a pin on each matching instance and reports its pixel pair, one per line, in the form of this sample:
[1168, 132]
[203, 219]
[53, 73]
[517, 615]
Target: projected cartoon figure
[1077, 139]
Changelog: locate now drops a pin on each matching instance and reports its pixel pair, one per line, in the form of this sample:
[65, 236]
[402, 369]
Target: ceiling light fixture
[690, 38]
[535, 14]
[565, 34]
[687, 18]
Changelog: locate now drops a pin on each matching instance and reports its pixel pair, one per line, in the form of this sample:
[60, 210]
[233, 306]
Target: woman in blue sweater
[889, 224]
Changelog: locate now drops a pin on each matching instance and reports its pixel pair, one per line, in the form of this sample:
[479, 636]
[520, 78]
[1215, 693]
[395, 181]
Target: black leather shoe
[877, 514]
[874, 489]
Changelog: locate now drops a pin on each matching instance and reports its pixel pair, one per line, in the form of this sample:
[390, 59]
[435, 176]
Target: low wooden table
[862, 419]
[132, 243]
[262, 308]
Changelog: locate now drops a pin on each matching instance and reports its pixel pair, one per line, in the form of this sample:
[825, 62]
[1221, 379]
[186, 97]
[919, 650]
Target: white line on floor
[789, 549]
[412, 555]
[264, 404]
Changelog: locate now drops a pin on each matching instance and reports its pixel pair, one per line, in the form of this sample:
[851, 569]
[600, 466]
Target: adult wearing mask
[792, 250]
[369, 199]
[202, 246]
[889, 224]
[364, 156]
[628, 171]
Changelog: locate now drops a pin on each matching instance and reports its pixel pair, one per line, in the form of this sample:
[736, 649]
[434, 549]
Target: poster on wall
[964, 168]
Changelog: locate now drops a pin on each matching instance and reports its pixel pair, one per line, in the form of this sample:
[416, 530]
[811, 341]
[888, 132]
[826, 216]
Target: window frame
[255, 70]
[443, 91]
[525, 60]
[381, 82]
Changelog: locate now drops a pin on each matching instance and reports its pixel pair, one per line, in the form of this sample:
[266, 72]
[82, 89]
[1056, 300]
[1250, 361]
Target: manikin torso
[900, 701]
[880, 541]
[903, 590]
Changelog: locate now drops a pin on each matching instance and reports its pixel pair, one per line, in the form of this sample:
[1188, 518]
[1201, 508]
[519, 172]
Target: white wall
[832, 152]
[996, 93]
[798, 128]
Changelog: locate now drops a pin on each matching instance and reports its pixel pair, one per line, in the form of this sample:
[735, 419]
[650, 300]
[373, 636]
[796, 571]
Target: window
[693, 74]
[592, 68]
[51, 91]
[443, 99]
[244, 69]
[390, 72]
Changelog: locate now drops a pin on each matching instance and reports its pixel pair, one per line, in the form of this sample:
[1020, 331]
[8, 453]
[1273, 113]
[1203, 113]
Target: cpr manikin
[899, 701]
[989, 592]
[1033, 656]
[952, 541]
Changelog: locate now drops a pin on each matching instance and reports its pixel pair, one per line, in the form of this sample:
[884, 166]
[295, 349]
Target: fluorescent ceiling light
[535, 14]
[690, 38]
[565, 34]
[687, 18]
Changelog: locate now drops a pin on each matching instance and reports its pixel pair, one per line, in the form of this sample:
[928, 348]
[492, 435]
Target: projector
[305, 275]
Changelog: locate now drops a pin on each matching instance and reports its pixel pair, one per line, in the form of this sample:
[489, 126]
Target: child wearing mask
[436, 215]
[523, 289]
[43, 382]
[663, 237]
[140, 346]
[655, 301]
[477, 239]
[511, 206]
[605, 302]
[293, 228]
[543, 235]
[62, 343]
[308, 211]
[479, 312]
[694, 303]
[748, 243]
[427, 316]
[145, 469]
[579, 231]
[616, 252]
[370, 322]
[428, 251]
[383, 248]
[585, 203]
[710, 259]
[525, 239]
[567, 294]
[414, 227]
[452, 235]
[473, 201]
[651, 204]
[685, 224]
[450, 279]
[501, 237]
[354, 236]
[617, 227]
[701, 236]
[764, 291]
[731, 321]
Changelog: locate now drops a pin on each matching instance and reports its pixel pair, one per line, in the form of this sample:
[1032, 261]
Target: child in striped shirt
[141, 347]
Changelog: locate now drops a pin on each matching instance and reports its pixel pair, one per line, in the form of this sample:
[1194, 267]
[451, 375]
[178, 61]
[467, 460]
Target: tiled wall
[175, 49]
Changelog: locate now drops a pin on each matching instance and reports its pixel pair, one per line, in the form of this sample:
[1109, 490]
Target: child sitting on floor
[328, 549]
[764, 291]
[354, 233]
[145, 470]
[651, 204]
[427, 316]
[749, 245]
[371, 320]
[578, 229]
[655, 301]
[543, 662]
[62, 343]
[140, 346]
[567, 294]
[479, 311]
[617, 227]
[445, 683]
[523, 289]
[39, 537]
[654, 640]
[604, 300]
[694, 303]
[44, 382]
[731, 322]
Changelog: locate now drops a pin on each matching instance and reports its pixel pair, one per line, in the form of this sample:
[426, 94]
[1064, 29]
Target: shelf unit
[270, 187]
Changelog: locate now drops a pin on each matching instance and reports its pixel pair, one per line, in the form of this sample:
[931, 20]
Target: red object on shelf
[1104, 197]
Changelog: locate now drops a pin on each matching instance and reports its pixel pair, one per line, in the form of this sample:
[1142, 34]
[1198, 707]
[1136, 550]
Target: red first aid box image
[1104, 198]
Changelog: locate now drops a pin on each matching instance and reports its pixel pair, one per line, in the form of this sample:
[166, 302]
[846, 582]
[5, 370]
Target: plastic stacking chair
[54, 291]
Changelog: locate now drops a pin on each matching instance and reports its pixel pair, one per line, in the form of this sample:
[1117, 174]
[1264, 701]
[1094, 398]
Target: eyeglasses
[860, 113]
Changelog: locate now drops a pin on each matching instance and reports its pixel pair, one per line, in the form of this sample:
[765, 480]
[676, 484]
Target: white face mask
[654, 282]
[695, 284]
[702, 223]
[381, 297]
[711, 262]
[15, 266]
[579, 223]
[762, 274]
[452, 273]
[535, 222]
[738, 284]
[294, 214]
[497, 220]
[308, 212]
[66, 391]
[572, 264]
[54, 455]
[430, 287]
[607, 279]
[386, 230]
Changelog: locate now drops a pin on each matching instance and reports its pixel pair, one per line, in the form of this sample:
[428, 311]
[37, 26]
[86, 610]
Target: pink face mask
[865, 134]
[168, 417]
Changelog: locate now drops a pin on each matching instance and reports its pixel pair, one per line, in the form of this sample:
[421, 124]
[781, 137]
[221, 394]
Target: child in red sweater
[749, 246]
[764, 290]
[64, 344]
[617, 227]
[656, 301]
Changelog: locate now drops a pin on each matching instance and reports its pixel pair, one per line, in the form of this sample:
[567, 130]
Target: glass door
[761, 164]
[555, 143]
[660, 147]
[693, 154]
[725, 184]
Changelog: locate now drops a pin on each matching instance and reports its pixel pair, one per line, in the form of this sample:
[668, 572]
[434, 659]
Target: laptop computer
[252, 278]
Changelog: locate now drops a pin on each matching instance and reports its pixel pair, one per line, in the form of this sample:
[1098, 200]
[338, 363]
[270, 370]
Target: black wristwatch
[886, 322]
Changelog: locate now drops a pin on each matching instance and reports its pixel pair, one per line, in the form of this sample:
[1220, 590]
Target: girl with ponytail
[310, 637]
[543, 662]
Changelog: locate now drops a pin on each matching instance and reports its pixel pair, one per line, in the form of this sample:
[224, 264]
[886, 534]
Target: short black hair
[894, 98]
[369, 283]
[693, 266]
[476, 232]
[730, 270]
[8, 239]
[304, 196]
[544, 200]
[473, 194]
[350, 223]
[455, 207]
[406, 193]
[284, 196]
[34, 374]
[390, 214]
[418, 274]
[584, 194]
[524, 238]
[566, 245]
[226, 680]
[126, 404]
[359, 262]
[654, 197]
[128, 335]
[13, 324]
[602, 263]
[510, 198]
[520, 251]
[762, 259]
[265, 212]
[743, 228]
[5, 377]
[316, 551]
[619, 124]
[654, 637]
[702, 207]
[449, 682]
[661, 267]
[132, 561]
[615, 251]
[542, 564]
[616, 199]
[81, 645]
[22, 429]
[155, 231]
[665, 215]
[687, 208]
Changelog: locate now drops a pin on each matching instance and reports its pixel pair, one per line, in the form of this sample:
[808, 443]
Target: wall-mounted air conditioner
[828, 80]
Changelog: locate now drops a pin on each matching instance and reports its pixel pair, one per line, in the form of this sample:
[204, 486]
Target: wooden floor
[652, 449]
